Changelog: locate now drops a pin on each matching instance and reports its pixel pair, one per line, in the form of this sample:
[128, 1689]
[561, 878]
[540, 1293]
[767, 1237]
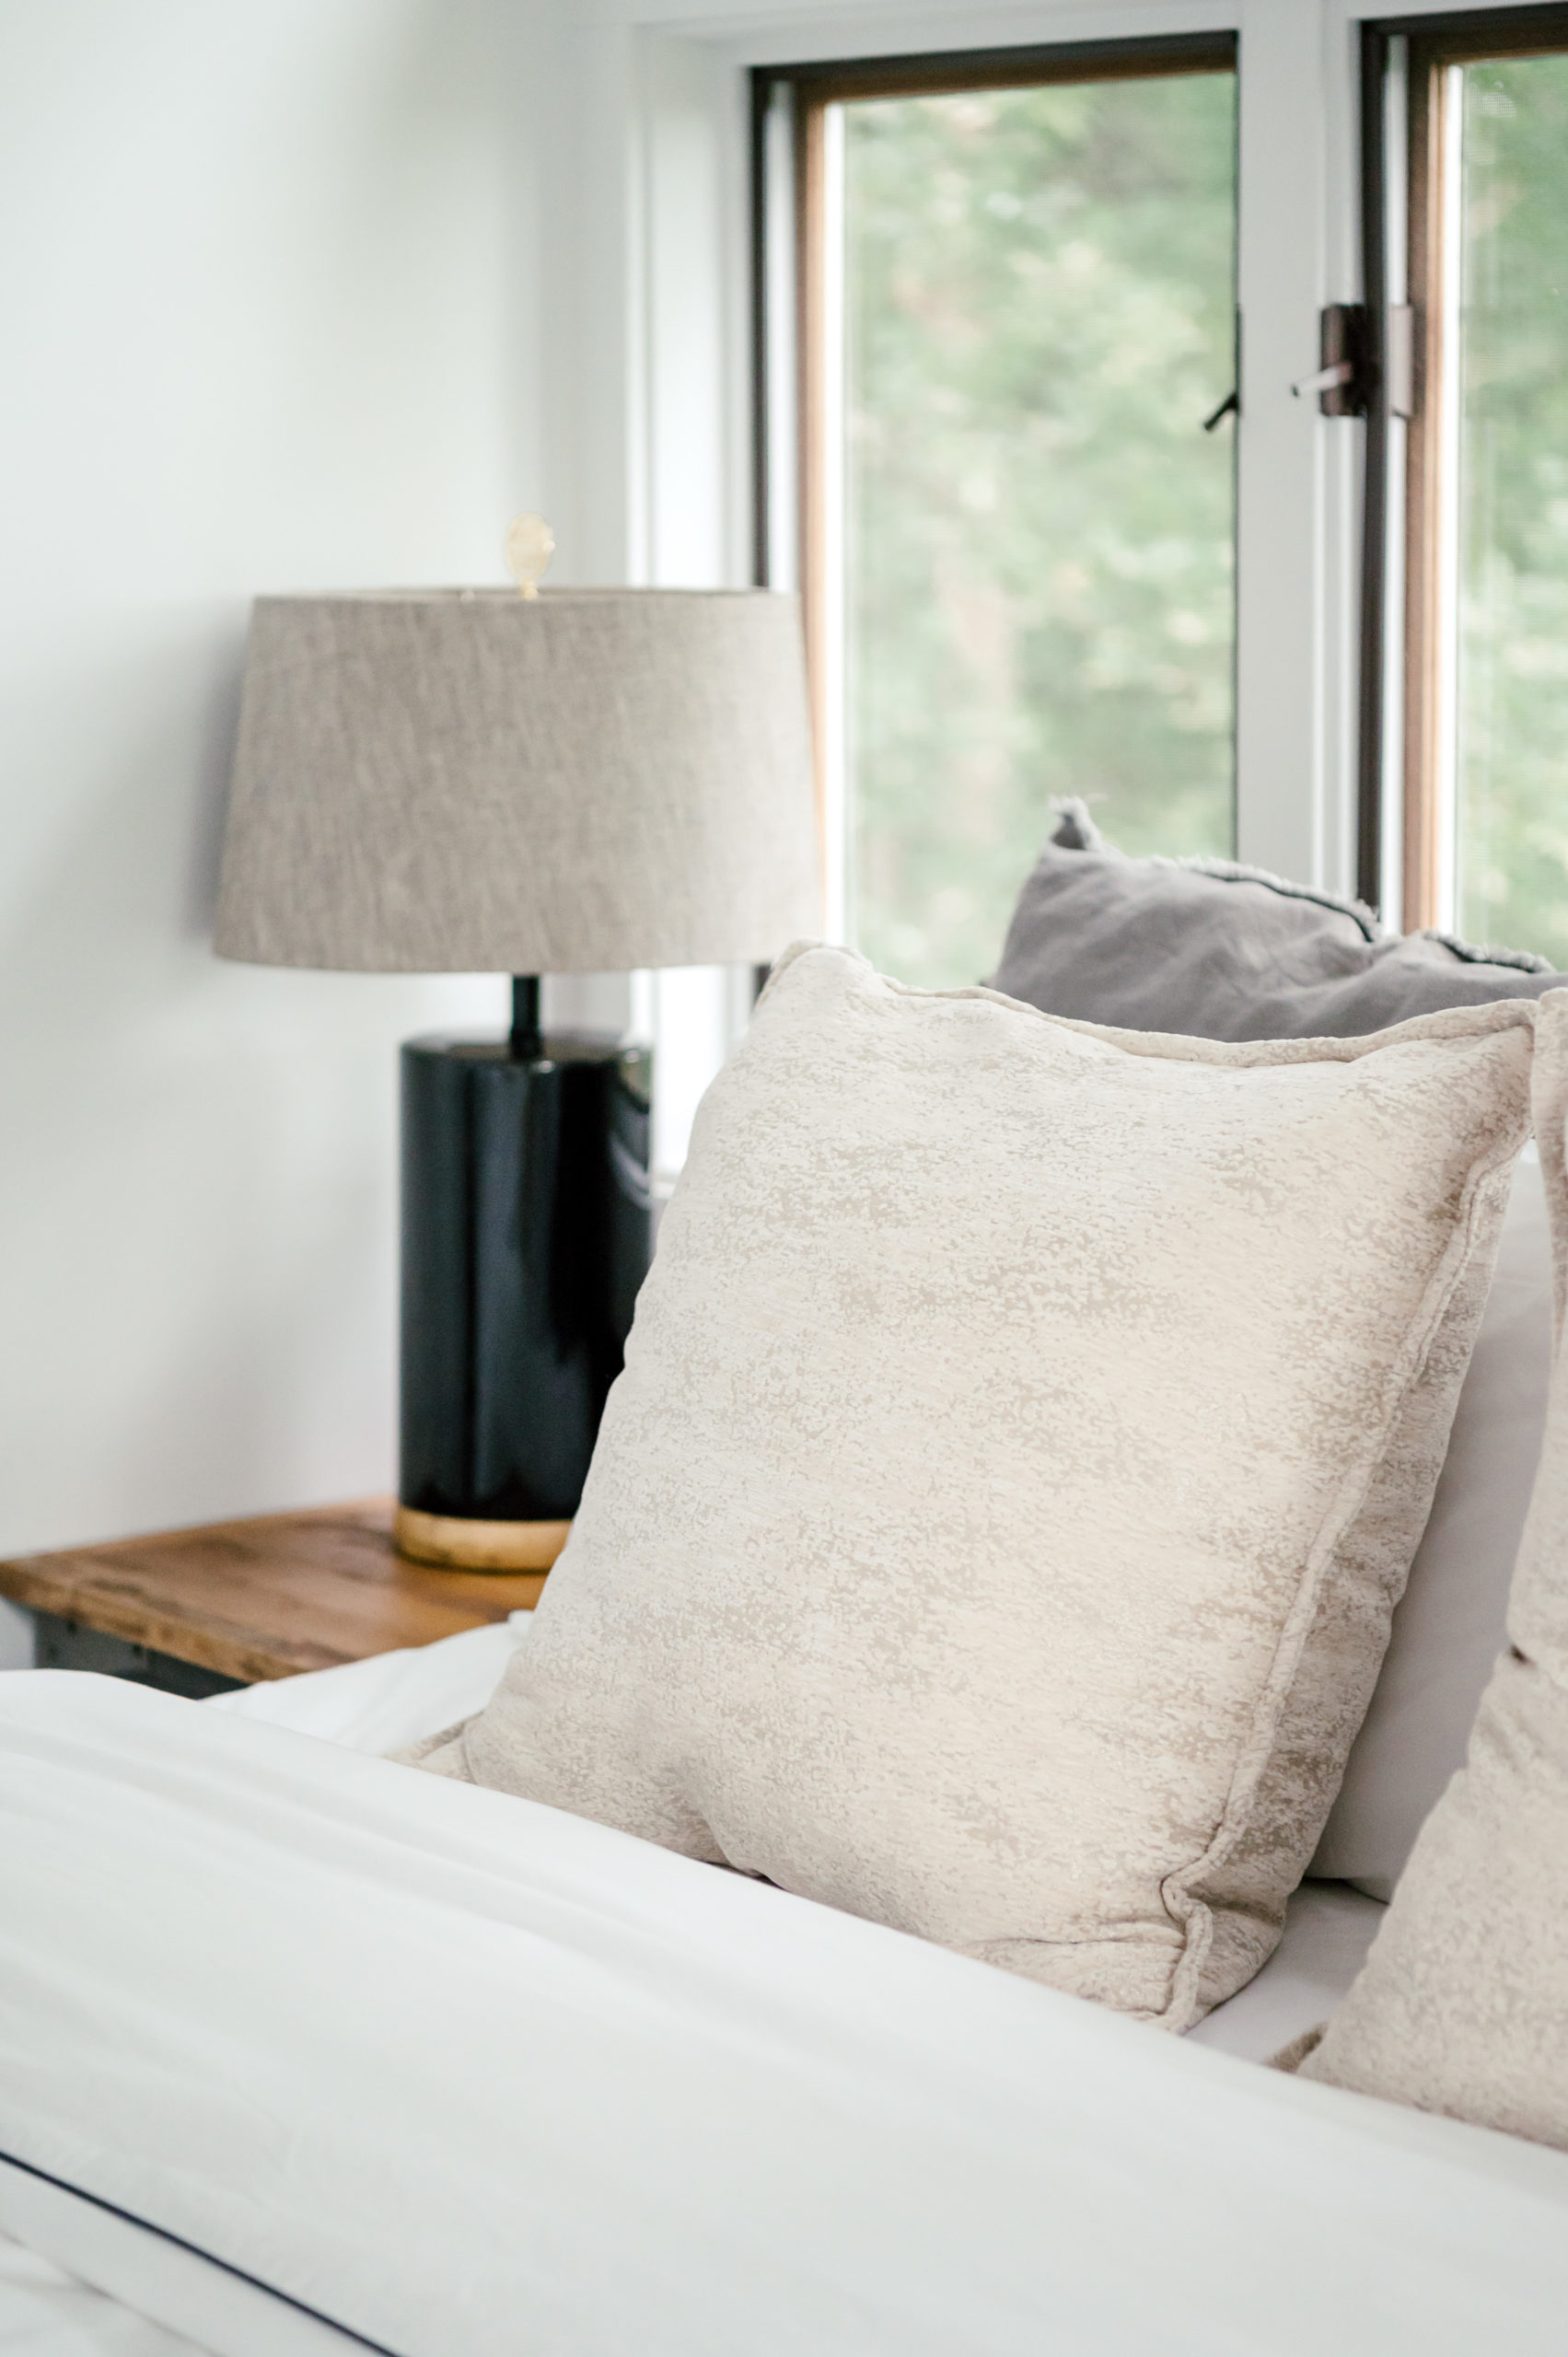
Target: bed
[306, 2052]
[565, 2091]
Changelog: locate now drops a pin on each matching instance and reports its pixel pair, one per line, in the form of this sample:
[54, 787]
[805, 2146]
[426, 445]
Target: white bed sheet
[473, 2076]
[394, 1699]
[47, 2312]
[206, 2310]
[373, 1706]
[391, 1698]
[45, 2309]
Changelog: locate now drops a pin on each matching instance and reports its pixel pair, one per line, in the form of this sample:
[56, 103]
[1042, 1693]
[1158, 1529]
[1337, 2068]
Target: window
[1018, 305]
[1470, 118]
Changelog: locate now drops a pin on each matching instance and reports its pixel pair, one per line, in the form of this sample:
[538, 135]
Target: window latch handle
[1361, 370]
[1344, 379]
[1339, 373]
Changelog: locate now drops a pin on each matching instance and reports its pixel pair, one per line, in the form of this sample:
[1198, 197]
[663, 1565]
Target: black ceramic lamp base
[527, 1230]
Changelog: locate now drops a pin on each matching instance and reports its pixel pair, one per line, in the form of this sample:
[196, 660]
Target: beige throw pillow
[1462, 2005]
[1024, 1437]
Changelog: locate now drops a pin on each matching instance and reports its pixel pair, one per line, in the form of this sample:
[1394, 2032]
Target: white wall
[267, 278]
[298, 292]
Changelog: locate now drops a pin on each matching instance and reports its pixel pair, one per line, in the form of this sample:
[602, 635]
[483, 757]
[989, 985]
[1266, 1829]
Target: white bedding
[471, 2076]
[45, 2311]
[393, 1699]
[376, 1704]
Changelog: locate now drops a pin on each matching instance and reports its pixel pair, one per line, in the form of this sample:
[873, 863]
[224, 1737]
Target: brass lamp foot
[459, 1544]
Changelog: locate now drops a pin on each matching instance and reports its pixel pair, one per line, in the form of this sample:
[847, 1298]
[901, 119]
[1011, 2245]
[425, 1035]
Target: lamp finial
[530, 544]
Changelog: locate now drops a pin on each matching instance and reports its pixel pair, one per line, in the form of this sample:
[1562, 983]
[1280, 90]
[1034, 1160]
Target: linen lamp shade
[467, 781]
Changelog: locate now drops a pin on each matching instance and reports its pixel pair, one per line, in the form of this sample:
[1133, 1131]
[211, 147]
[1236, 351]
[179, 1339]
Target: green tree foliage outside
[1039, 536]
[1512, 682]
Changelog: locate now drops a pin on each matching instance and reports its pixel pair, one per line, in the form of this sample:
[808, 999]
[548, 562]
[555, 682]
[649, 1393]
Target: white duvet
[462, 2074]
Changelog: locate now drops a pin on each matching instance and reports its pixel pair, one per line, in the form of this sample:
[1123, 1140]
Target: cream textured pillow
[1462, 2005]
[1024, 1434]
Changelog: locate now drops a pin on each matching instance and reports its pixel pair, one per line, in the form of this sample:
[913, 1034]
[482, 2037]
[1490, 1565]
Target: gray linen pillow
[1214, 951]
[1024, 1433]
[1462, 2005]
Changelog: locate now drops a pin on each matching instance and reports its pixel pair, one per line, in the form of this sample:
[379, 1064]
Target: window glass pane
[1510, 764]
[1040, 297]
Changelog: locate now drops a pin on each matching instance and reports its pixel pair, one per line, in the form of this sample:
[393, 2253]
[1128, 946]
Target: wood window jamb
[1436, 43]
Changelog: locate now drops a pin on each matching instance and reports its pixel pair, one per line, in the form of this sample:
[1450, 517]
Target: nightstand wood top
[268, 1596]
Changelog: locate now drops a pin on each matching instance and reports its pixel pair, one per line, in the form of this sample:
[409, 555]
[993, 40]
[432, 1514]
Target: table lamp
[577, 781]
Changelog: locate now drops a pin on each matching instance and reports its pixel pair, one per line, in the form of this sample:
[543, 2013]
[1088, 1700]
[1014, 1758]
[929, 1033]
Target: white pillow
[1450, 1623]
[1024, 1433]
[1462, 2003]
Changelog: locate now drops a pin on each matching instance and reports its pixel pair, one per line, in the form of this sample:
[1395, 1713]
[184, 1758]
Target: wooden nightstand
[197, 1611]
